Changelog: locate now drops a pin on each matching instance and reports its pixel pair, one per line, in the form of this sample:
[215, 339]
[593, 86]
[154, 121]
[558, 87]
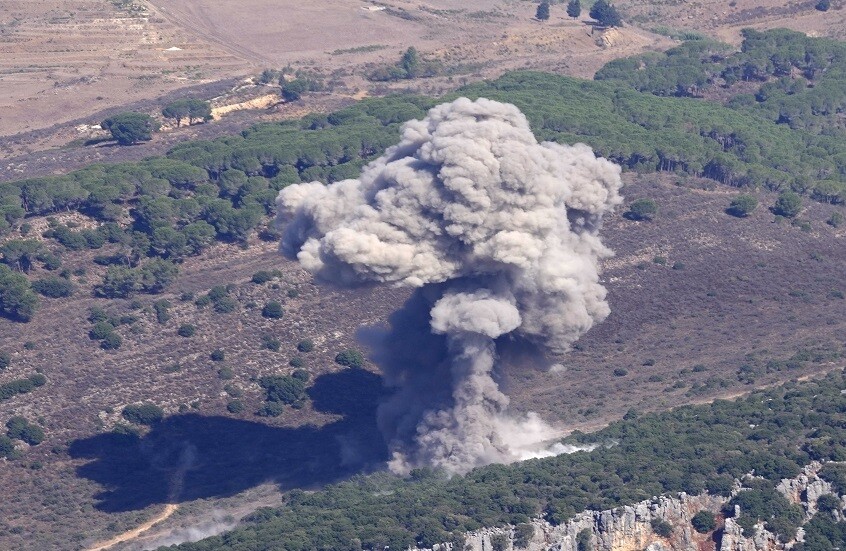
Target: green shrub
[235, 406]
[835, 220]
[217, 355]
[186, 330]
[119, 282]
[642, 209]
[272, 310]
[829, 503]
[224, 305]
[218, 292]
[162, 311]
[301, 375]
[97, 314]
[53, 287]
[523, 534]
[112, 341]
[271, 409]
[7, 446]
[5, 359]
[661, 527]
[350, 358]
[15, 425]
[17, 301]
[143, 414]
[262, 276]
[270, 343]
[305, 345]
[297, 361]
[704, 521]
[21, 429]
[620, 372]
[788, 204]
[101, 330]
[742, 205]
[584, 540]
[499, 542]
[225, 373]
[285, 389]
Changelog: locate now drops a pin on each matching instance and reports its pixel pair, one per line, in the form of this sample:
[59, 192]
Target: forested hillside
[173, 312]
[691, 449]
[787, 136]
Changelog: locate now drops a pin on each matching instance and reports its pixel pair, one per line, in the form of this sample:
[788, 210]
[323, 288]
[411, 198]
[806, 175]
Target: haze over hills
[165, 370]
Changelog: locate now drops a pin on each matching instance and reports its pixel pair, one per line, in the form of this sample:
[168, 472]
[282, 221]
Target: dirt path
[169, 509]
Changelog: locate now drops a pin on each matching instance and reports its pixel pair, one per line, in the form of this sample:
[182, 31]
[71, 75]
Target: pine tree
[574, 9]
[543, 11]
[606, 14]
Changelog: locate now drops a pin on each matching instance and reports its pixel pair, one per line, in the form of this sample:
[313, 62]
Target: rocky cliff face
[630, 528]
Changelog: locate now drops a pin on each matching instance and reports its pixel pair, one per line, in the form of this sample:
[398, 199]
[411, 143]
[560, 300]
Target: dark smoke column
[498, 232]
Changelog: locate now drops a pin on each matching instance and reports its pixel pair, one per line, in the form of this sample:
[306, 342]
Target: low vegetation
[143, 414]
[21, 386]
[411, 65]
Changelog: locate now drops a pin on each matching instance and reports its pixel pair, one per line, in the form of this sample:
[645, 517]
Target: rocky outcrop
[622, 529]
[630, 528]
[806, 488]
[734, 539]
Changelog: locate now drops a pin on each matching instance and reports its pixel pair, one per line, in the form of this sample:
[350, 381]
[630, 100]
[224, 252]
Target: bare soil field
[696, 295]
[67, 61]
[64, 63]
[62, 59]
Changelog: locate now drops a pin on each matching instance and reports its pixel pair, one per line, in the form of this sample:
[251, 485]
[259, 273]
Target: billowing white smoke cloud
[500, 234]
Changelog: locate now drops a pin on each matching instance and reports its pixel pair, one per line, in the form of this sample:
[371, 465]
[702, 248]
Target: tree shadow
[188, 457]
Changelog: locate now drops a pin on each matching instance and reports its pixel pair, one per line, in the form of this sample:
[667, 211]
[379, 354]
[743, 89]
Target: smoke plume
[498, 233]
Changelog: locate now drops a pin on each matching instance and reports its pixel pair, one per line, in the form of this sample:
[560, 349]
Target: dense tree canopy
[652, 454]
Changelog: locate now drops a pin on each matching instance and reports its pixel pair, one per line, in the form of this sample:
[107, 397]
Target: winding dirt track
[169, 509]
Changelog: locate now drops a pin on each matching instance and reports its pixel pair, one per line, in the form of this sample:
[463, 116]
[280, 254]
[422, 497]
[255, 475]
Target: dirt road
[169, 509]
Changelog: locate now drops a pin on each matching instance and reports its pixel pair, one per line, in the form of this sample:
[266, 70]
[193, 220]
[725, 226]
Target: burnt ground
[695, 294]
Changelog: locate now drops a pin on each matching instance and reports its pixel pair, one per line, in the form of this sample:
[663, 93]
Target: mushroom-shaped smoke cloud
[498, 232]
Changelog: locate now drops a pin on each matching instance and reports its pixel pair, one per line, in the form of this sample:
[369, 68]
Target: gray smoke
[499, 234]
[215, 523]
